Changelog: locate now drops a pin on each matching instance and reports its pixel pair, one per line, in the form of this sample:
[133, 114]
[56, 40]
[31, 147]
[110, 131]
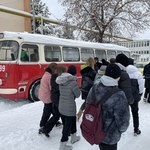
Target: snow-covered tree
[112, 17]
[40, 8]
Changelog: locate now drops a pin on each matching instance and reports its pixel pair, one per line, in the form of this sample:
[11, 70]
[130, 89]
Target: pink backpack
[92, 124]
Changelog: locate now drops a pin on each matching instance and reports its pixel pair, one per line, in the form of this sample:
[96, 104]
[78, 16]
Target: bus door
[8, 68]
[30, 71]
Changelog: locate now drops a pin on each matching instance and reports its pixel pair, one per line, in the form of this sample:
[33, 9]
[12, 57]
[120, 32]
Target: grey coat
[115, 111]
[69, 90]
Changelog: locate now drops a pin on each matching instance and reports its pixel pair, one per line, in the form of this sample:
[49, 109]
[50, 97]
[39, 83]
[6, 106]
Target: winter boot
[74, 138]
[64, 146]
[41, 130]
[79, 114]
[137, 132]
[58, 124]
[145, 99]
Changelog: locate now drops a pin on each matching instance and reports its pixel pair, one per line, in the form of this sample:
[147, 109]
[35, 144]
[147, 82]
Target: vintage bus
[24, 56]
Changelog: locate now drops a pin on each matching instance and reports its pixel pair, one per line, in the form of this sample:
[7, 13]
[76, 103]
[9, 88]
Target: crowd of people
[59, 89]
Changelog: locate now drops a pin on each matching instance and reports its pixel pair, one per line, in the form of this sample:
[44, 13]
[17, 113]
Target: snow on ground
[19, 124]
[6, 104]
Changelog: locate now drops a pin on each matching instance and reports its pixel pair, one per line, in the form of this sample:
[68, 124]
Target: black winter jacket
[88, 76]
[54, 90]
[135, 90]
[125, 85]
[146, 73]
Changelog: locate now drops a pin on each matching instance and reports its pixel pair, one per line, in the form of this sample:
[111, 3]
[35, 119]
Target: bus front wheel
[33, 92]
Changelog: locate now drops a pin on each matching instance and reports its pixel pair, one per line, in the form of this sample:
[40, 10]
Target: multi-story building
[12, 22]
[140, 49]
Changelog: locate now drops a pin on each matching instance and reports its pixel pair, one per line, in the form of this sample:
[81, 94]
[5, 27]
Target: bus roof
[38, 38]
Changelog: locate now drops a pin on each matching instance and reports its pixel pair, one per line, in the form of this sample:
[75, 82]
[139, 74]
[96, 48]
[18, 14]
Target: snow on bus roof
[38, 38]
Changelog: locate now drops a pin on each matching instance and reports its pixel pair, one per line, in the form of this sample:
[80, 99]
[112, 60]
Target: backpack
[92, 125]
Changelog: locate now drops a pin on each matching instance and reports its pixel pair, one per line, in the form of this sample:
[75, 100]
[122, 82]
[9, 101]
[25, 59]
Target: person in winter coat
[69, 90]
[45, 95]
[146, 73]
[137, 84]
[88, 75]
[101, 71]
[115, 111]
[124, 83]
[54, 120]
[97, 64]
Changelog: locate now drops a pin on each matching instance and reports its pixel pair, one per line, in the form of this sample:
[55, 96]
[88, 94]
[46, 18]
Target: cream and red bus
[24, 57]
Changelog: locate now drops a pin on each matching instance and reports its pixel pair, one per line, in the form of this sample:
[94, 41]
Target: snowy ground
[19, 126]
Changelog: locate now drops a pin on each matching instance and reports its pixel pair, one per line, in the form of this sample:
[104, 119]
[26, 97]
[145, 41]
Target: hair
[90, 62]
[72, 70]
[61, 69]
[52, 66]
[96, 58]
[112, 60]
[104, 62]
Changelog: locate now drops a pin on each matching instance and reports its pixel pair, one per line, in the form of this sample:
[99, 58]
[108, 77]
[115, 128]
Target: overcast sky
[57, 13]
[55, 8]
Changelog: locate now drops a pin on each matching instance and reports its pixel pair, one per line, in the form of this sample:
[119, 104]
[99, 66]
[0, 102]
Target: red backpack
[92, 124]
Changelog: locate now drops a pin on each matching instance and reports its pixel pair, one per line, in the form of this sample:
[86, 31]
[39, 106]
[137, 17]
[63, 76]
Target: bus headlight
[0, 81]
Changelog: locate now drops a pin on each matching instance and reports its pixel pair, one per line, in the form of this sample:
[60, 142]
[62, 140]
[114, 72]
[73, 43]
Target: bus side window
[111, 54]
[52, 53]
[71, 54]
[86, 53]
[29, 53]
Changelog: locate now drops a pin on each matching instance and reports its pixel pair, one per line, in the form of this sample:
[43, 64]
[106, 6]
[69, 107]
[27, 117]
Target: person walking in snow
[54, 120]
[137, 83]
[146, 73]
[115, 111]
[45, 95]
[129, 88]
[88, 75]
[69, 90]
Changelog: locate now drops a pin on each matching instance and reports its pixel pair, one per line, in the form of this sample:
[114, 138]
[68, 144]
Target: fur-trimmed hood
[64, 78]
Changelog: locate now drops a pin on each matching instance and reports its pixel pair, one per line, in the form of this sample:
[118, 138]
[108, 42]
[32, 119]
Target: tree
[40, 8]
[113, 17]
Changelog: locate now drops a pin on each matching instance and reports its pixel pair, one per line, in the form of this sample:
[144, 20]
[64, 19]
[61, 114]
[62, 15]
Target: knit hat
[113, 71]
[122, 59]
[72, 70]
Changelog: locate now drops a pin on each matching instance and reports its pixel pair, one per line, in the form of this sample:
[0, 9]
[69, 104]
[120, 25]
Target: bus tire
[33, 92]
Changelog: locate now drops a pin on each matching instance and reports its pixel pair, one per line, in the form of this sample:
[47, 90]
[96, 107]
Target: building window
[147, 43]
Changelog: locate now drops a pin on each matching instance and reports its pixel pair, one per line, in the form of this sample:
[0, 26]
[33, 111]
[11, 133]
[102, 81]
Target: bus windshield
[8, 50]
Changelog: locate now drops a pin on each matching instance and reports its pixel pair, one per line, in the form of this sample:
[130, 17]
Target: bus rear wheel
[33, 92]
